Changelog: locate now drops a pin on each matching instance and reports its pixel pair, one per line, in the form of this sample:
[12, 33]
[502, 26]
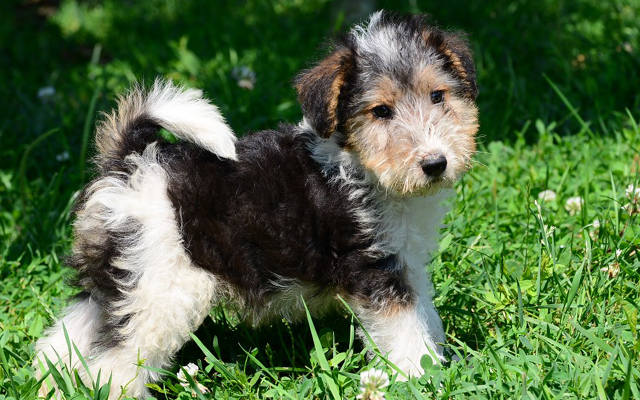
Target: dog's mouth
[416, 179]
[437, 184]
[428, 187]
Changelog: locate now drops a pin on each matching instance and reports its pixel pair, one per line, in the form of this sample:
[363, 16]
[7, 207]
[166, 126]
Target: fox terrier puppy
[346, 204]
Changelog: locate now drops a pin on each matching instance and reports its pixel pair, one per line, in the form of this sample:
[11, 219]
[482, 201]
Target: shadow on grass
[280, 344]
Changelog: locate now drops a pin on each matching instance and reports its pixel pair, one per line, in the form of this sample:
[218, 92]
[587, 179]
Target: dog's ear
[319, 90]
[458, 58]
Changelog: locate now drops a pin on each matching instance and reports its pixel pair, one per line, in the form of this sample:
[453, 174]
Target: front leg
[402, 321]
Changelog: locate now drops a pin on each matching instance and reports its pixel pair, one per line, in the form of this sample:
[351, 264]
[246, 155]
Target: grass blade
[217, 364]
[601, 344]
[574, 112]
[577, 278]
[322, 360]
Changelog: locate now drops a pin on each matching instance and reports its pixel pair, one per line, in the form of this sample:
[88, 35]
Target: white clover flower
[633, 193]
[618, 253]
[547, 195]
[191, 369]
[574, 205]
[371, 383]
[596, 224]
[46, 93]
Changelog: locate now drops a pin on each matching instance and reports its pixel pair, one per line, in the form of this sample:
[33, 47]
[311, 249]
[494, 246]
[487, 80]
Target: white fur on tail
[190, 117]
[183, 112]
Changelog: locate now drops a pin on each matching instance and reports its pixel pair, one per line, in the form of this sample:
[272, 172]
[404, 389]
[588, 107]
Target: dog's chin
[433, 188]
[430, 187]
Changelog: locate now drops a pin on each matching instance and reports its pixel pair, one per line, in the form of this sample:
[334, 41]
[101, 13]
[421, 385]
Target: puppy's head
[402, 94]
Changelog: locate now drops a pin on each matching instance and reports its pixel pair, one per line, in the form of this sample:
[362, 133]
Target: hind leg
[160, 296]
[150, 293]
[157, 319]
[149, 325]
[142, 327]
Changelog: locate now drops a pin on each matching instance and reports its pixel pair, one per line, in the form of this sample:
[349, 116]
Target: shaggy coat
[346, 204]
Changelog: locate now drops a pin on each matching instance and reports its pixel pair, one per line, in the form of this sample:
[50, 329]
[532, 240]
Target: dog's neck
[400, 224]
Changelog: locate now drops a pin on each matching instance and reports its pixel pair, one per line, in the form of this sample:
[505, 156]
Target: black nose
[434, 165]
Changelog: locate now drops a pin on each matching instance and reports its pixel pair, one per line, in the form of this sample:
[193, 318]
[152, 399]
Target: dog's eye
[382, 111]
[437, 96]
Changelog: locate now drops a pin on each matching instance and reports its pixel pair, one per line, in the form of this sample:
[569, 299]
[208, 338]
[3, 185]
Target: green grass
[536, 302]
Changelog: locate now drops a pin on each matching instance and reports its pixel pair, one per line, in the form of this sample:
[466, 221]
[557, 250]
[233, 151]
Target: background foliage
[537, 302]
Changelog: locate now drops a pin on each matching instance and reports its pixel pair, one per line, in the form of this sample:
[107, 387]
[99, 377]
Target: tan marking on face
[393, 148]
[466, 116]
[465, 113]
[385, 92]
[380, 149]
[430, 79]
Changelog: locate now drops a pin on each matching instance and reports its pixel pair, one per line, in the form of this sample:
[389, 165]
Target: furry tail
[181, 111]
